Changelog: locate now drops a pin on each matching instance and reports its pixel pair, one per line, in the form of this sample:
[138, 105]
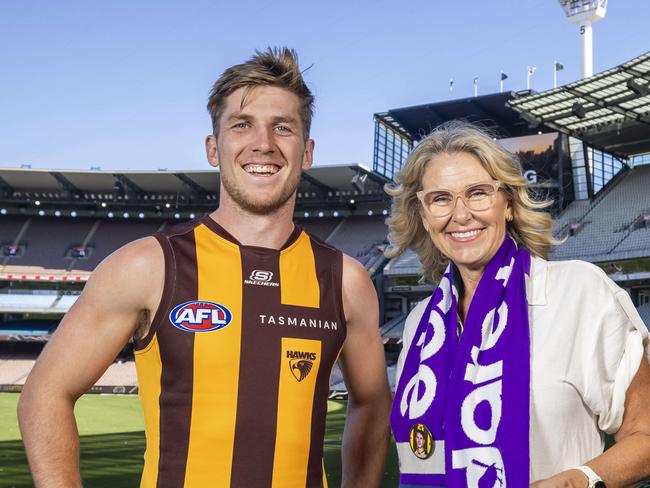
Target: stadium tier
[614, 227]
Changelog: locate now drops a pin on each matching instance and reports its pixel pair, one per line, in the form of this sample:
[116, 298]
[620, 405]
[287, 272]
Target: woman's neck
[470, 280]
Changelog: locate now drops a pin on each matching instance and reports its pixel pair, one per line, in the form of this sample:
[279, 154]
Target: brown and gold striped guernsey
[234, 373]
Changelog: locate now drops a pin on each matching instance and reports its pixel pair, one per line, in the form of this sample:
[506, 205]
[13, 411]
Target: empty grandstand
[57, 226]
[615, 226]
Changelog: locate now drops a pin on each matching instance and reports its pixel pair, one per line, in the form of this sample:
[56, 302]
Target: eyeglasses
[476, 197]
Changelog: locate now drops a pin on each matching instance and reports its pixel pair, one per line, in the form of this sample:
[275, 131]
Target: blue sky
[123, 84]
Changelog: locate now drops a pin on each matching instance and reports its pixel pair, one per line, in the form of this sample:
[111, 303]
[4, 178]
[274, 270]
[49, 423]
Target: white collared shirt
[587, 340]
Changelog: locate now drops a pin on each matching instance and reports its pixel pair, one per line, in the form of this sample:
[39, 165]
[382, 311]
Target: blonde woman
[515, 366]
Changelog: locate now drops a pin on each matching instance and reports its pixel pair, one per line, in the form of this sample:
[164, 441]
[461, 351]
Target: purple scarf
[461, 411]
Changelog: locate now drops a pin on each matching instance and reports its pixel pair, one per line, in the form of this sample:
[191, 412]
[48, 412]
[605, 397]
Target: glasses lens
[480, 197]
[439, 202]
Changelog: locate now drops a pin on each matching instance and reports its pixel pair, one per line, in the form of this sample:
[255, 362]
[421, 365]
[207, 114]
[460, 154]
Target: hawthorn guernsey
[218, 338]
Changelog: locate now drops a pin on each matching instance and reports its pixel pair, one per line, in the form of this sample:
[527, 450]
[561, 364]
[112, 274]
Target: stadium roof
[336, 177]
[318, 185]
[490, 111]
[610, 110]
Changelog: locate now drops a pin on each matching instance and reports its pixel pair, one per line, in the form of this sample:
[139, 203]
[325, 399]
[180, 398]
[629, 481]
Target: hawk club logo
[260, 277]
[200, 316]
[300, 363]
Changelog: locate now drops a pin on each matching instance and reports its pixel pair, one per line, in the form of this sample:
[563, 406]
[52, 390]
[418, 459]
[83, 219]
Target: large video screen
[540, 157]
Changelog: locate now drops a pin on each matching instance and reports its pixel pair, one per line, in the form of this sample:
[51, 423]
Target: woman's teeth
[465, 235]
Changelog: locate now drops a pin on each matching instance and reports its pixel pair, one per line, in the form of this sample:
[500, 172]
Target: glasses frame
[458, 194]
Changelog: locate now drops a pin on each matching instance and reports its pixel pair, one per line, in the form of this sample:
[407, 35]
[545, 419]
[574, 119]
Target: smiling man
[237, 320]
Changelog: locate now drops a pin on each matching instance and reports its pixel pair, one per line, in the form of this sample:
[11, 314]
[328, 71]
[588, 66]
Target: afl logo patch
[198, 316]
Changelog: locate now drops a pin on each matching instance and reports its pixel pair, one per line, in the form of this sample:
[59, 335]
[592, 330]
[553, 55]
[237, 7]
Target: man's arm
[366, 434]
[118, 299]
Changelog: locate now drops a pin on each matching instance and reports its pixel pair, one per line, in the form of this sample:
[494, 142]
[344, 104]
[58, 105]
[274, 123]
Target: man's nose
[263, 140]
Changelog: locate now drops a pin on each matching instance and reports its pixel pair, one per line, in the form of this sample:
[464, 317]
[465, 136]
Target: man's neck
[270, 231]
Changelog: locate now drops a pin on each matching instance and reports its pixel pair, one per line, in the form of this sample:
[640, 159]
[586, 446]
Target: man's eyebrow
[286, 119]
[238, 116]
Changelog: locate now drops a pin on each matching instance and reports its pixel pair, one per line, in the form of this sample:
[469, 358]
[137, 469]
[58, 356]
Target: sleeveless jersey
[234, 372]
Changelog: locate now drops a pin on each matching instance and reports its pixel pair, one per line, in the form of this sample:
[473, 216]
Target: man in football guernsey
[237, 320]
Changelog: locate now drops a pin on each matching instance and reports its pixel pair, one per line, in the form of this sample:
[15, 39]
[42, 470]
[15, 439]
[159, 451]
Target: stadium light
[103, 204]
[37, 203]
[584, 13]
[73, 214]
[335, 214]
[321, 214]
[352, 201]
[41, 212]
[110, 215]
[125, 215]
[57, 213]
[384, 212]
[3, 211]
[370, 213]
[578, 110]
[168, 205]
[141, 215]
[177, 216]
[306, 214]
[192, 216]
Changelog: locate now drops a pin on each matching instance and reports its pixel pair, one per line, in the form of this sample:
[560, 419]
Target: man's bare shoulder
[135, 271]
[354, 274]
[359, 296]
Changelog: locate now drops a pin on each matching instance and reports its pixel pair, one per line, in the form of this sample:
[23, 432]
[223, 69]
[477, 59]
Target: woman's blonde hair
[530, 227]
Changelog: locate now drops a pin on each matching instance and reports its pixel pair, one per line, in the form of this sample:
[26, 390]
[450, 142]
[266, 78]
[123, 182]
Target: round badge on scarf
[421, 441]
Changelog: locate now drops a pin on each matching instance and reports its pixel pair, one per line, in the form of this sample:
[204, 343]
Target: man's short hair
[274, 67]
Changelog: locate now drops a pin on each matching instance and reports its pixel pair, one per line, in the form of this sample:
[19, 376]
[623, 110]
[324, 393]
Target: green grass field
[112, 443]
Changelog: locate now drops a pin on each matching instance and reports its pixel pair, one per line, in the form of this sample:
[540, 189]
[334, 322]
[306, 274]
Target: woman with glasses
[516, 366]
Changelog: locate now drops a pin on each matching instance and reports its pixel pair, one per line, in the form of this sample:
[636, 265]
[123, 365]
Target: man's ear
[211, 150]
[308, 156]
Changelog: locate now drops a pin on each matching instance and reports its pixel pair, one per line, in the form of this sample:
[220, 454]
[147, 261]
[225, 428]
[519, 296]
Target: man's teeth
[465, 235]
[265, 169]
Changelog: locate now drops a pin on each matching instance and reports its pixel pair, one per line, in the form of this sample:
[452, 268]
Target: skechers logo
[300, 363]
[261, 278]
[199, 316]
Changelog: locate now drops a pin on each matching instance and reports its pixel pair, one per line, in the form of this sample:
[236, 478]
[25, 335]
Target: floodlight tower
[584, 13]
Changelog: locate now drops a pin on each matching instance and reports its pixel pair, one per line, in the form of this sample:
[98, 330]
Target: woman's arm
[628, 461]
